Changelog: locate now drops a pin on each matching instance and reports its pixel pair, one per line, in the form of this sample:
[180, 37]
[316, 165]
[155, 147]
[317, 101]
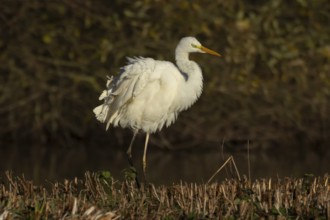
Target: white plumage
[148, 94]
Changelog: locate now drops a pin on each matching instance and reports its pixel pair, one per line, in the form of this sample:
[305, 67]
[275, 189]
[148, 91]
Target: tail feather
[103, 95]
[101, 112]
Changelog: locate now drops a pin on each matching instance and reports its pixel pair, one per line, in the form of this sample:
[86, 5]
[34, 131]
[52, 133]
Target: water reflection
[41, 163]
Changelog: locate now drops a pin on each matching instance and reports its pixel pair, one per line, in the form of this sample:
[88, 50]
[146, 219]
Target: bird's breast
[153, 107]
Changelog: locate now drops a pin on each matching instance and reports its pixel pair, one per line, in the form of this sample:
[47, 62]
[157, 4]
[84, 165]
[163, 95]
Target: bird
[148, 94]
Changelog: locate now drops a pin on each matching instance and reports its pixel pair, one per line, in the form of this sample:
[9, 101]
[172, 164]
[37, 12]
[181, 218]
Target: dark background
[269, 91]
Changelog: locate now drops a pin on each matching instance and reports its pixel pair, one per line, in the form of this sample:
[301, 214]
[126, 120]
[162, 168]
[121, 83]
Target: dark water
[51, 163]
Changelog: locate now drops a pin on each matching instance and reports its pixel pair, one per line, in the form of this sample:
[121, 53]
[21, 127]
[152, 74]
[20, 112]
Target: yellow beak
[209, 51]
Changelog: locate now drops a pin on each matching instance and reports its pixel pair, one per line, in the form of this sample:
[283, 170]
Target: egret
[148, 94]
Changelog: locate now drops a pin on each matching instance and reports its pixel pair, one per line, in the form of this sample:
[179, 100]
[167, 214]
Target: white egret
[148, 94]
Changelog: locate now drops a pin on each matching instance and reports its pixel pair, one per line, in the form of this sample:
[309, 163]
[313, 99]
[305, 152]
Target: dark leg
[129, 150]
[129, 156]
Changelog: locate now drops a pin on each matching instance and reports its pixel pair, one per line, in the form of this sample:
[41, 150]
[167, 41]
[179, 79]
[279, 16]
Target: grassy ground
[99, 196]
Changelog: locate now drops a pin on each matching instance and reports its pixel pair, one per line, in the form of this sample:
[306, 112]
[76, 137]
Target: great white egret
[148, 94]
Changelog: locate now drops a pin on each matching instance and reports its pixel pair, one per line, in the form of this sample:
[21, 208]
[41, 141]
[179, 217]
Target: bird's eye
[194, 45]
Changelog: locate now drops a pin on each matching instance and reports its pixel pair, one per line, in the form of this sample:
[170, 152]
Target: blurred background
[269, 93]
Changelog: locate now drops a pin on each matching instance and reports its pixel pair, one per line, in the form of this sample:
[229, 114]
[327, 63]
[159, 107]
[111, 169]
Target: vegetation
[101, 197]
[272, 84]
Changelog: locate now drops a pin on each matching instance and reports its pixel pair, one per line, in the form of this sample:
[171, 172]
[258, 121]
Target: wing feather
[130, 82]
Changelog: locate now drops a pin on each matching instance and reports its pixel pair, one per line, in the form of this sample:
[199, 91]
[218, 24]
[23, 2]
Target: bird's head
[192, 45]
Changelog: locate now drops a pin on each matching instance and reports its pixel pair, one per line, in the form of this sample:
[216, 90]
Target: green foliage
[106, 175]
[130, 174]
[273, 82]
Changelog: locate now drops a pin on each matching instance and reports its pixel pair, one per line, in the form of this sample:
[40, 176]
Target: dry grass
[100, 197]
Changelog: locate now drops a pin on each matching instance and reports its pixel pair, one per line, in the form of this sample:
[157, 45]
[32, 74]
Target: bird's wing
[122, 89]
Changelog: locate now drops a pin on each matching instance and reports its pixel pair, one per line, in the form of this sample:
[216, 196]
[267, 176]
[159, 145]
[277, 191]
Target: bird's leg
[129, 150]
[145, 156]
[129, 155]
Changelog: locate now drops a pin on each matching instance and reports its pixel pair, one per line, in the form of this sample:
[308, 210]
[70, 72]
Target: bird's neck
[192, 80]
[181, 55]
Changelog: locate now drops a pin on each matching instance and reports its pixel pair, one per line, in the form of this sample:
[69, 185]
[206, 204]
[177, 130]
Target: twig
[239, 177]
[223, 155]
[248, 157]
[231, 158]
[219, 169]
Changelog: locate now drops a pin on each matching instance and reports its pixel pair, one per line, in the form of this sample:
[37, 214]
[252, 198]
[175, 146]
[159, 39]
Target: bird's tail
[102, 111]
